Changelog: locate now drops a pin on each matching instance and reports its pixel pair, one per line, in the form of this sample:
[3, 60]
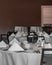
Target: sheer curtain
[35, 29]
[21, 28]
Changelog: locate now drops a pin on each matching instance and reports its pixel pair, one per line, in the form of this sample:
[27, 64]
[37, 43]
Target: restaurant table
[19, 58]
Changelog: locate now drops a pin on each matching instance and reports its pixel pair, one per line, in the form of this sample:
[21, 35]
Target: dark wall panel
[46, 2]
[19, 12]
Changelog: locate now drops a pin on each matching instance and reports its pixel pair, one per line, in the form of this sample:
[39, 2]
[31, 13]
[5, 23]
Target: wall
[46, 2]
[18, 12]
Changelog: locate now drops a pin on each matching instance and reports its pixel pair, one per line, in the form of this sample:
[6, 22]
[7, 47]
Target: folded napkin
[47, 37]
[3, 44]
[40, 34]
[12, 36]
[15, 47]
[14, 40]
[18, 34]
[45, 34]
[39, 40]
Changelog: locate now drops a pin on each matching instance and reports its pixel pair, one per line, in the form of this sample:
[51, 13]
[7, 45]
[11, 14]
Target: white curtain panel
[35, 28]
[17, 28]
[20, 28]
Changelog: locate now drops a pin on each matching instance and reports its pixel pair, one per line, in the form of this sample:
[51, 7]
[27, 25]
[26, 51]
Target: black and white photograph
[25, 32]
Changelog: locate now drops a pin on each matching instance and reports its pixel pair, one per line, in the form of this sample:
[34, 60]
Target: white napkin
[15, 47]
[45, 34]
[47, 37]
[11, 36]
[3, 44]
[18, 34]
[39, 39]
[40, 34]
[14, 40]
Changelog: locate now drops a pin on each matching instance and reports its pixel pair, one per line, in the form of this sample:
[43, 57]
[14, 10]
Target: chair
[4, 38]
[46, 57]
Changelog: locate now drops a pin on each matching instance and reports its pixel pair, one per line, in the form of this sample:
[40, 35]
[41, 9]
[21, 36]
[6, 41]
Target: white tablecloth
[21, 58]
